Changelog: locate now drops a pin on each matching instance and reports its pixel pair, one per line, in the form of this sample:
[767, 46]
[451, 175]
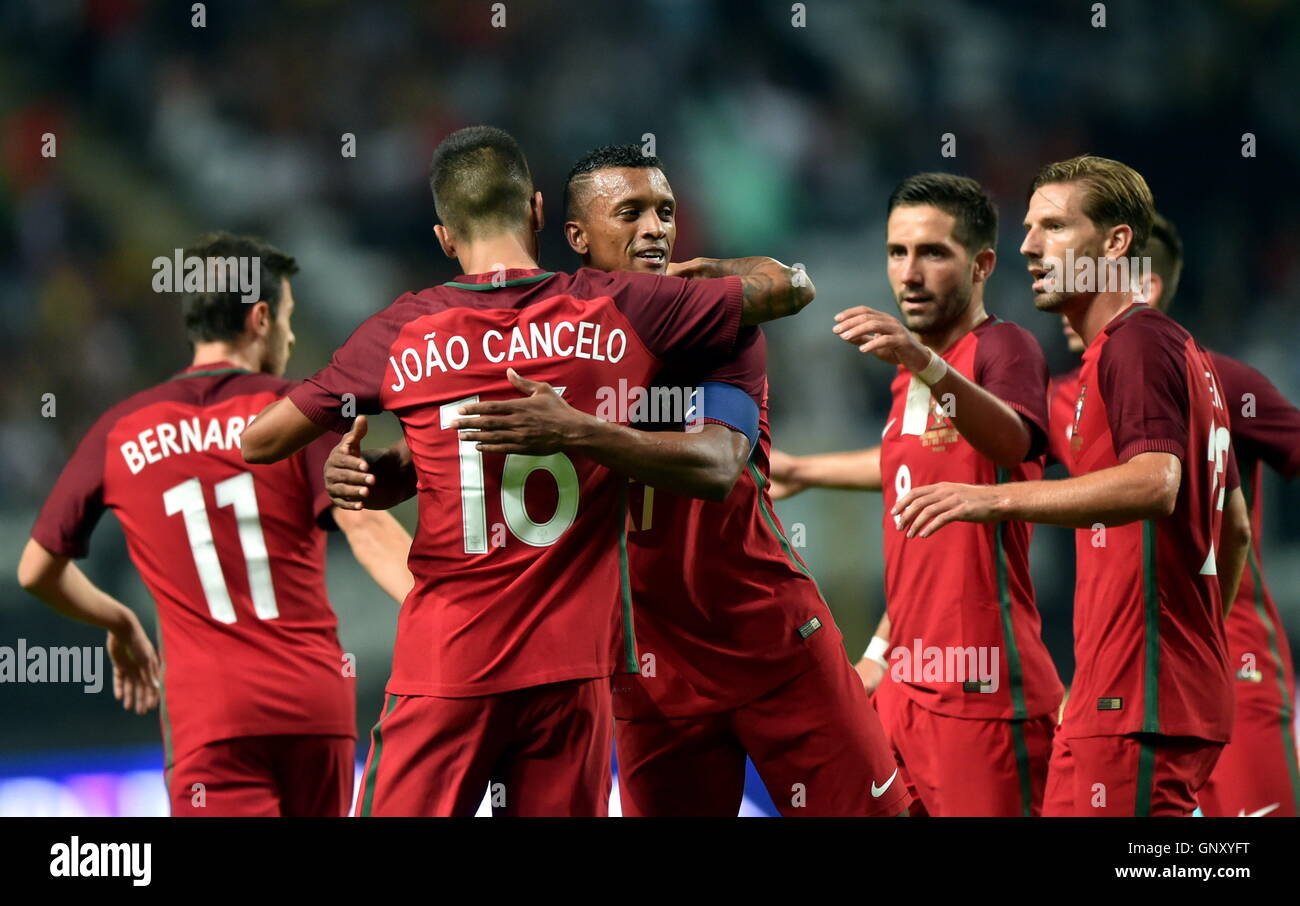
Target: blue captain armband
[725, 403]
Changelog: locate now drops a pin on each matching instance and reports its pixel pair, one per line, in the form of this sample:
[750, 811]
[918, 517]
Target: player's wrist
[929, 370]
[876, 650]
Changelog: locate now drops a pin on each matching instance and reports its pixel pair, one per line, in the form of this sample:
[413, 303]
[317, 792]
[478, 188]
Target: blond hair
[1114, 194]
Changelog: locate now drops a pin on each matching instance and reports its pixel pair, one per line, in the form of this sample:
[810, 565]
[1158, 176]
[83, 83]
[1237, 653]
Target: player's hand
[923, 511]
[781, 468]
[882, 335]
[692, 267]
[135, 668]
[870, 673]
[347, 475]
[538, 424]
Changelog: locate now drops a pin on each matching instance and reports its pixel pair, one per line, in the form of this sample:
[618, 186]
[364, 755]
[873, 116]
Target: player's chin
[648, 265]
[1050, 302]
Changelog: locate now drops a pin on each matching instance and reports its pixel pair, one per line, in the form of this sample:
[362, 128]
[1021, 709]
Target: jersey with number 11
[233, 555]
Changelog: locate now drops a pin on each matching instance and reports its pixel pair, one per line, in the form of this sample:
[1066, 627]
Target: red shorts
[539, 751]
[265, 777]
[1256, 775]
[967, 767]
[1140, 775]
[814, 740]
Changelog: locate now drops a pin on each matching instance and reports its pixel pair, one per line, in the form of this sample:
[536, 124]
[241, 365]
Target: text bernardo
[539, 340]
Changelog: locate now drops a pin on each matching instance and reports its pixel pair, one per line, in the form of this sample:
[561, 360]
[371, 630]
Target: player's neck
[1090, 320]
[942, 340]
[217, 352]
[496, 253]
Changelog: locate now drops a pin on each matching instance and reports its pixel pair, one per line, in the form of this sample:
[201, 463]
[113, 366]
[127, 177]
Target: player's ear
[985, 262]
[577, 237]
[444, 239]
[258, 320]
[1119, 242]
[535, 212]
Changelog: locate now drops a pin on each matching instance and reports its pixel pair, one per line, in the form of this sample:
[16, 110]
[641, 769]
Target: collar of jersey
[530, 275]
[209, 369]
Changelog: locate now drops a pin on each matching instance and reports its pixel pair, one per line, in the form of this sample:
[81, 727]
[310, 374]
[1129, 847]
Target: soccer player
[258, 711]
[505, 649]
[972, 729]
[1151, 703]
[1256, 775]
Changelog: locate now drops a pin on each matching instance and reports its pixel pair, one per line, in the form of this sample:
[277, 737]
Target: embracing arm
[770, 289]
[278, 432]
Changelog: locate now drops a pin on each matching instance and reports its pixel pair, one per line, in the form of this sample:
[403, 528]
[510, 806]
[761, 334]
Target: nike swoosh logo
[878, 791]
[1260, 813]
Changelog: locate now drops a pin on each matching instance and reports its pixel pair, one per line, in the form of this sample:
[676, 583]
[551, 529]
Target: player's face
[630, 221]
[1072, 340]
[931, 273]
[279, 340]
[1055, 224]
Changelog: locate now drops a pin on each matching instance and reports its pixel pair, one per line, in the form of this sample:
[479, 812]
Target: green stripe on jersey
[376, 750]
[1151, 609]
[1015, 671]
[482, 287]
[625, 586]
[189, 374]
[1145, 778]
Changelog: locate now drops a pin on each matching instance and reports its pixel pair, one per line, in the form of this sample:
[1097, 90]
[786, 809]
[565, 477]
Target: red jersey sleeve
[1264, 423]
[1010, 364]
[75, 504]
[1142, 377]
[674, 317]
[357, 368]
[746, 367]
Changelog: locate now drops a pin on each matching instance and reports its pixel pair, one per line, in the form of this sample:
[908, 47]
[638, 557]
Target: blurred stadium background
[778, 140]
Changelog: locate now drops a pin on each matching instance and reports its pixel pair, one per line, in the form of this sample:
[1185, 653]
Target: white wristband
[876, 651]
[934, 371]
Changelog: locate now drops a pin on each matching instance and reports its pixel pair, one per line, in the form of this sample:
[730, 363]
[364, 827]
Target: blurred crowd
[779, 139]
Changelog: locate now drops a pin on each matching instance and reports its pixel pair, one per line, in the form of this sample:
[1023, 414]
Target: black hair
[1165, 248]
[480, 181]
[213, 315]
[604, 158]
[962, 197]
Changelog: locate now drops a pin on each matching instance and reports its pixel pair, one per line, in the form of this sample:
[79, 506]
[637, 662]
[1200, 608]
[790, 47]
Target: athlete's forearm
[703, 464]
[854, 470]
[1145, 487]
[381, 546]
[771, 290]
[279, 431]
[987, 423]
[1234, 547]
[58, 582]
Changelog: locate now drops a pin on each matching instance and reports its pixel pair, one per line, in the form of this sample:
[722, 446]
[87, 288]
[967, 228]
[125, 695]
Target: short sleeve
[1264, 423]
[76, 503]
[1010, 364]
[678, 318]
[1232, 475]
[1142, 379]
[354, 375]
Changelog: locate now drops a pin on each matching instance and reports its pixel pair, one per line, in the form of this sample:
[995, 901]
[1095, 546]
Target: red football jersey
[233, 555]
[1265, 429]
[964, 595]
[1150, 648]
[1062, 406]
[723, 601]
[519, 561]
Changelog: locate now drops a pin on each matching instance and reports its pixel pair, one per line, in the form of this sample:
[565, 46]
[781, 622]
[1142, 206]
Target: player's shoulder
[1142, 324]
[1236, 373]
[999, 330]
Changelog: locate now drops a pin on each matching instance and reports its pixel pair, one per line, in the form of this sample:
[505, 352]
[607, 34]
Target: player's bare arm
[989, 425]
[57, 581]
[381, 545]
[702, 464]
[278, 432]
[771, 290]
[1145, 487]
[1234, 546]
[873, 665]
[368, 479]
[854, 470]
